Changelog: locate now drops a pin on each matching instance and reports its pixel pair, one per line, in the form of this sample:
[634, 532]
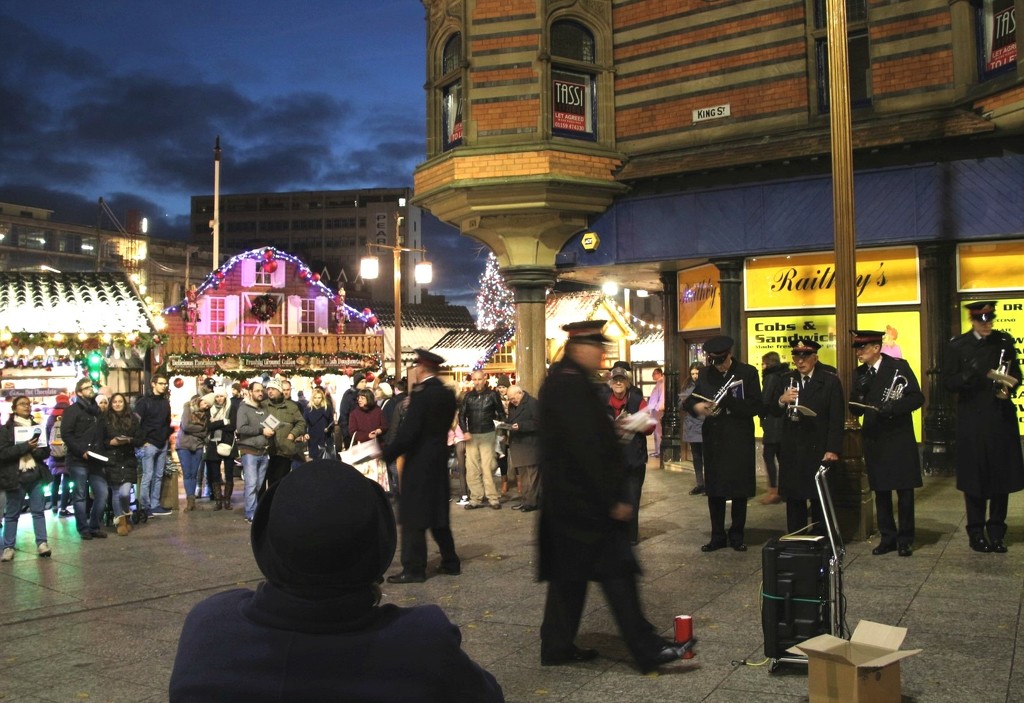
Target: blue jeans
[84, 480]
[153, 459]
[191, 461]
[122, 500]
[254, 471]
[13, 511]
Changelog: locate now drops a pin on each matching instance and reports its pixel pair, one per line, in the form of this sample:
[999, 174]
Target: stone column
[936, 307]
[730, 281]
[671, 423]
[530, 285]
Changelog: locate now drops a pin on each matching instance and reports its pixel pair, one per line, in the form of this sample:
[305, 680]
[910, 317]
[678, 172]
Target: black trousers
[639, 474]
[716, 508]
[797, 513]
[770, 454]
[277, 468]
[888, 532]
[996, 523]
[564, 609]
[414, 549]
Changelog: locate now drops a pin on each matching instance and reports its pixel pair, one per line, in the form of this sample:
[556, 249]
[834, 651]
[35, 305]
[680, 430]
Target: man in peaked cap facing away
[981, 367]
[423, 497]
[730, 460]
[807, 441]
[885, 395]
[585, 510]
[315, 630]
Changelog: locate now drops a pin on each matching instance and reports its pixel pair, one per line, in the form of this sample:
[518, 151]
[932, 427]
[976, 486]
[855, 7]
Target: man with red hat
[808, 440]
[885, 395]
[981, 367]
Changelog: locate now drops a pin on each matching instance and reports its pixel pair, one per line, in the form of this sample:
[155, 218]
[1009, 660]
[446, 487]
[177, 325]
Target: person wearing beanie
[316, 629]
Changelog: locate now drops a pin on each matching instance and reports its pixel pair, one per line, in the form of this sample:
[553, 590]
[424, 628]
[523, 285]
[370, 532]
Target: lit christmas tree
[494, 302]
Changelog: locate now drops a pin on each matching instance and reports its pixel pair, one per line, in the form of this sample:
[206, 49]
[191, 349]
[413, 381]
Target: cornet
[794, 411]
[720, 395]
[896, 388]
[1003, 382]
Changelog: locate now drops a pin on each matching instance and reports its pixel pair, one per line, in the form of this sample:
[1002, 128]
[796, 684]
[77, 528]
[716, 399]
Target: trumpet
[720, 395]
[793, 412]
[1003, 382]
[896, 388]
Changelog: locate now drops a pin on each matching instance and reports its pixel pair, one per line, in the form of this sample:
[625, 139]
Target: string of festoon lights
[633, 319]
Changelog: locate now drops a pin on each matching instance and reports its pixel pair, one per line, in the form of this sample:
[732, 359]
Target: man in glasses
[808, 440]
[154, 411]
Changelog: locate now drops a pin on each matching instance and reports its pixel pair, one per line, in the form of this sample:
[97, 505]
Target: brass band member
[808, 440]
[980, 366]
[728, 397]
[886, 394]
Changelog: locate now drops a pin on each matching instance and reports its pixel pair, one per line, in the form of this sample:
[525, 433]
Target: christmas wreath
[263, 307]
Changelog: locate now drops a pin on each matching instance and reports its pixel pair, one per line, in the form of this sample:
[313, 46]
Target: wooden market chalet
[263, 312]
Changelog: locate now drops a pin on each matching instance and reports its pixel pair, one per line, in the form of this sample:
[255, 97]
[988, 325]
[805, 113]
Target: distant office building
[331, 230]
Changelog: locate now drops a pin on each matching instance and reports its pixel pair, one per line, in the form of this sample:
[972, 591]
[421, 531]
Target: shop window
[263, 278]
[857, 48]
[997, 37]
[307, 319]
[453, 98]
[573, 80]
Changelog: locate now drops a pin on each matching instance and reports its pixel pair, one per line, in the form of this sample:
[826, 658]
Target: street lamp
[369, 269]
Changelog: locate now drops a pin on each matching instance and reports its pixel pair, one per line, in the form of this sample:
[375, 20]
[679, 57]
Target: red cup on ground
[684, 633]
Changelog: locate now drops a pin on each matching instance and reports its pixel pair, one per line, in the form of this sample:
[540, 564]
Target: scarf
[27, 461]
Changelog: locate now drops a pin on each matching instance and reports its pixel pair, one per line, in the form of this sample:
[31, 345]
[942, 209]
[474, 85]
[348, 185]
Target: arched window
[452, 99]
[573, 78]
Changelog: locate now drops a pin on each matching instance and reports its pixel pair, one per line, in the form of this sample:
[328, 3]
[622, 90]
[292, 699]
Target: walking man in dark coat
[807, 441]
[585, 510]
[886, 394]
[423, 499]
[730, 461]
[523, 439]
[989, 465]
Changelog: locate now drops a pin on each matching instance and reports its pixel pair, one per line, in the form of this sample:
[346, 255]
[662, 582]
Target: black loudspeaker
[795, 592]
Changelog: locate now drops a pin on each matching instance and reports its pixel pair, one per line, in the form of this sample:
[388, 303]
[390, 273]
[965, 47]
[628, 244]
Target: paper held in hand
[270, 422]
[358, 453]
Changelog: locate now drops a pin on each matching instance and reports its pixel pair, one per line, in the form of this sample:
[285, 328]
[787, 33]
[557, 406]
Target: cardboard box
[864, 670]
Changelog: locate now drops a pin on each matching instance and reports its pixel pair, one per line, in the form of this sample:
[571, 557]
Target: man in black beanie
[315, 630]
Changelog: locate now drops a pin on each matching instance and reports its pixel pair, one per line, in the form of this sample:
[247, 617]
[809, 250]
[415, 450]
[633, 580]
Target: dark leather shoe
[999, 546]
[666, 655]
[980, 544]
[496, 506]
[448, 571]
[517, 506]
[528, 508]
[406, 578]
[473, 506]
[713, 546]
[738, 546]
[577, 654]
[883, 549]
[697, 490]
[85, 535]
[99, 534]
[906, 550]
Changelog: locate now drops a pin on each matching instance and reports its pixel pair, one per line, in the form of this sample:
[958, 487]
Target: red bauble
[179, 382]
[315, 278]
[317, 380]
[268, 254]
[270, 267]
[372, 321]
[369, 377]
[219, 275]
[244, 383]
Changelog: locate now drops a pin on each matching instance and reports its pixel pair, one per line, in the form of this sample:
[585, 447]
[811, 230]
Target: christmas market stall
[265, 313]
[57, 327]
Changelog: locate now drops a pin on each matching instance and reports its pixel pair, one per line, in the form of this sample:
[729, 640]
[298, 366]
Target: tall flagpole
[215, 222]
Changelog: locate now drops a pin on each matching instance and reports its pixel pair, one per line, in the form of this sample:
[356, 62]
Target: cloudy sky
[122, 99]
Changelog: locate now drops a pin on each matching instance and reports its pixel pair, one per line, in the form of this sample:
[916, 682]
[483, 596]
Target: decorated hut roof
[563, 308]
[72, 303]
[470, 349]
[423, 325]
[649, 346]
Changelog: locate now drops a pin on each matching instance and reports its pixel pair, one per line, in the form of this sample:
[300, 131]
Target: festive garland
[360, 363]
[263, 307]
[70, 346]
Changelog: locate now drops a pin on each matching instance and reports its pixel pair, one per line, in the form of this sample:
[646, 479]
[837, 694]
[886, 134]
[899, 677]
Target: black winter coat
[988, 453]
[10, 459]
[123, 465]
[771, 425]
[82, 430]
[583, 475]
[523, 444]
[730, 462]
[423, 439]
[319, 427]
[805, 442]
[890, 448]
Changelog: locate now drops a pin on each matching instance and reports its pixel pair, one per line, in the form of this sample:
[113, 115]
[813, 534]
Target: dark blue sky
[123, 99]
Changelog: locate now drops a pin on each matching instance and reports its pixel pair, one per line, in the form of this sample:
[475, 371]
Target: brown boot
[218, 498]
[122, 525]
[227, 490]
[771, 497]
[190, 503]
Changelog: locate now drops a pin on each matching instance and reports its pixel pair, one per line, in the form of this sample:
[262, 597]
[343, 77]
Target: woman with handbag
[122, 433]
[320, 426]
[366, 421]
[220, 449]
[191, 445]
[23, 472]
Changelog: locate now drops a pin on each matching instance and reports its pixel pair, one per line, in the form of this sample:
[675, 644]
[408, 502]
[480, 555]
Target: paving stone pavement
[100, 620]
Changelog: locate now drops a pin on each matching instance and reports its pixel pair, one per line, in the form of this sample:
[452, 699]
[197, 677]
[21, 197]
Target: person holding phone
[121, 435]
[23, 471]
